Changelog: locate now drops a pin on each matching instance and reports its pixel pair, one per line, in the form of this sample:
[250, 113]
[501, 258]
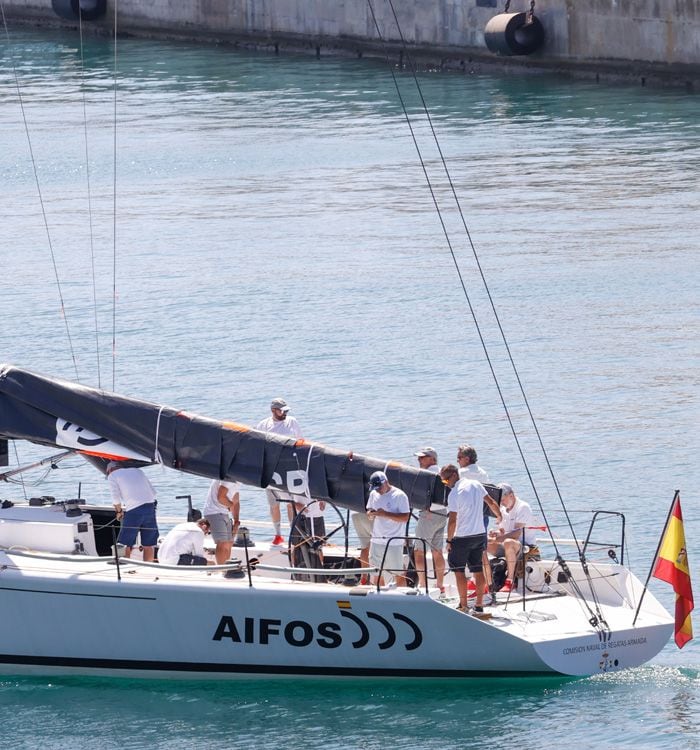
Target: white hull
[66, 617]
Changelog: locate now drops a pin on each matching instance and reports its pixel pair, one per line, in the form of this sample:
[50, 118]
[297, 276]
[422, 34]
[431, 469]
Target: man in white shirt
[466, 538]
[518, 522]
[388, 509]
[279, 423]
[223, 502]
[135, 504]
[431, 527]
[468, 467]
[184, 544]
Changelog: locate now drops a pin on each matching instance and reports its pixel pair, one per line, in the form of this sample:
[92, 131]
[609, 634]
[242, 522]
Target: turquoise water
[275, 237]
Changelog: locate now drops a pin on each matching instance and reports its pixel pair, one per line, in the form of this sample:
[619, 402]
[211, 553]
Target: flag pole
[656, 555]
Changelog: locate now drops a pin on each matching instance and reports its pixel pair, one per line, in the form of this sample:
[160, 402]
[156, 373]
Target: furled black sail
[60, 413]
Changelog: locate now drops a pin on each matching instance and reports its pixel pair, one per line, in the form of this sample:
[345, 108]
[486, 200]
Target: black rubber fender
[511, 34]
[90, 10]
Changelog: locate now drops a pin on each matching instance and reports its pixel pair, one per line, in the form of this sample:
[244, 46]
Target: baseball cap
[279, 403]
[377, 480]
[427, 451]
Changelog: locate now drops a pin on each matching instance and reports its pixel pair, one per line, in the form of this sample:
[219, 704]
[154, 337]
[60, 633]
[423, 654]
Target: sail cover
[61, 413]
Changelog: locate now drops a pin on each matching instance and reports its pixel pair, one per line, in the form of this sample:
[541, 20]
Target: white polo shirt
[130, 488]
[393, 501]
[521, 513]
[474, 471]
[212, 506]
[466, 499]
[287, 426]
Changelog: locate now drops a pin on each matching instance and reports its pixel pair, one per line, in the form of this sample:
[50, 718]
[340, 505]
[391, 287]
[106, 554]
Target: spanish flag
[672, 567]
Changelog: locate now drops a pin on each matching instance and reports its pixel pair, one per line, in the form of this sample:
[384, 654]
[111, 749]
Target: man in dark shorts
[466, 538]
[135, 504]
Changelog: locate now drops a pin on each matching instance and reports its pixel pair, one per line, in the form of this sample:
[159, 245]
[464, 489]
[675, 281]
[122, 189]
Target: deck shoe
[480, 614]
[278, 541]
[507, 587]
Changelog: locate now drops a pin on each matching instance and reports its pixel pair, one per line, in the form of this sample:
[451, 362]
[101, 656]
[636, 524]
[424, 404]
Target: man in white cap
[280, 423]
[430, 527]
[388, 509]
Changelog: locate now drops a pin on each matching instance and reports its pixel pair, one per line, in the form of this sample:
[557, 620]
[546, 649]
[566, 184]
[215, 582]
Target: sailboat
[151, 620]
[72, 605]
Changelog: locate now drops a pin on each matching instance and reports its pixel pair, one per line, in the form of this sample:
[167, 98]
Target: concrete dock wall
[621, 37]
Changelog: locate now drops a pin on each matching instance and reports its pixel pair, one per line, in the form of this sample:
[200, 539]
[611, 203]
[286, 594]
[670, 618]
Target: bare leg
[223, 552]
[488, 580]
[419, 559]
[512, 547]
[275, 515]
[127, 551]
[439, 565]
[480, 582]
[461, 580]
[148, 554]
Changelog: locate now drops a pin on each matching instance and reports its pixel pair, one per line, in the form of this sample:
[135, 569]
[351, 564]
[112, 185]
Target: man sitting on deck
[518, 521]
[184, 544]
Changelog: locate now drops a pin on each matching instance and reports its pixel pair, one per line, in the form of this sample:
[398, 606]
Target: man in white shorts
[431, 527]
[223, 501]
[280, 423]
[363, 529]
[388, 509]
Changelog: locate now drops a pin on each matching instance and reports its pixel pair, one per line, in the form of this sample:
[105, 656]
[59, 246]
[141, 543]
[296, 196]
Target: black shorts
[467, 551]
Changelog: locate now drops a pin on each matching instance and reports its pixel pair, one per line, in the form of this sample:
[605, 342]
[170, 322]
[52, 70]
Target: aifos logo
[401, 631]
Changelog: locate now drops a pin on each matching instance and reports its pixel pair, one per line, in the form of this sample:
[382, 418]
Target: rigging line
[41, 197]
[516, 372]
[14, 442]
[114, 212]
[89, 194]
[461, 278]
[597, 620]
